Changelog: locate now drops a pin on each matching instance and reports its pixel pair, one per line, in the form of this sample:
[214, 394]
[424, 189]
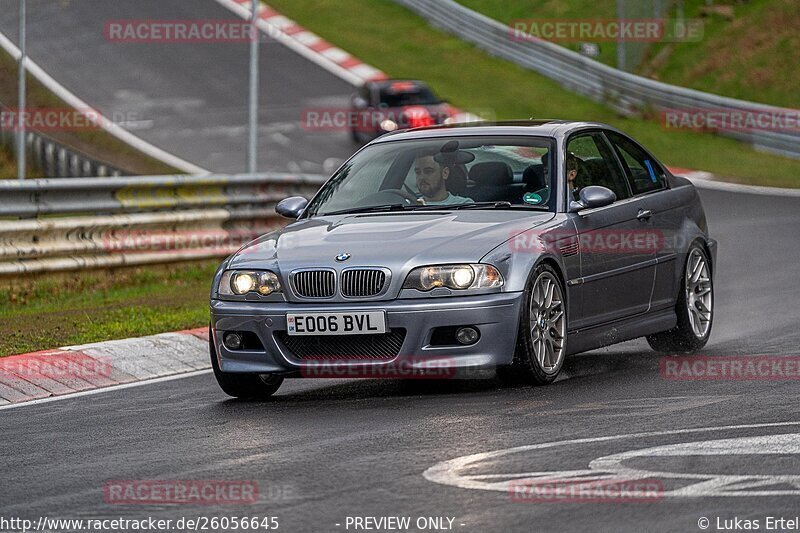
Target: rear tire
[246, 386]
[694, 308]
[542, 337]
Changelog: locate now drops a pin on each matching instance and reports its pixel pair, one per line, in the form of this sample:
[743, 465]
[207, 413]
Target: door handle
[644, 214]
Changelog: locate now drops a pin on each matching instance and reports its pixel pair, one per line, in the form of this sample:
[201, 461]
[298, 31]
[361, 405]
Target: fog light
[467, 336]
[232, 341]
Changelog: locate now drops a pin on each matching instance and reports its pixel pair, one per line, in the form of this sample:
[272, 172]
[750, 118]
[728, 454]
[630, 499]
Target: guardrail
[627, 93]
[55, 159]
[52, 225]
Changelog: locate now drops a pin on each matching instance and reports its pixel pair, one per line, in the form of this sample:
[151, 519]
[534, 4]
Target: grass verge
[48, 311]
[744, 52]
[93, 142]
[8, 165]
[402, 44]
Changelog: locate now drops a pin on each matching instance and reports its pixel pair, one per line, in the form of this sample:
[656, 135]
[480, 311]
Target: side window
[644, 174]
[595, 165]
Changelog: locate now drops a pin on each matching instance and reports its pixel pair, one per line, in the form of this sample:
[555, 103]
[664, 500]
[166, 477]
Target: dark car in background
[384, 106]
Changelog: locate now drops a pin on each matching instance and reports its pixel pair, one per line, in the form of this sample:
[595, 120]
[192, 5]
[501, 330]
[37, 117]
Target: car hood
[399, 241]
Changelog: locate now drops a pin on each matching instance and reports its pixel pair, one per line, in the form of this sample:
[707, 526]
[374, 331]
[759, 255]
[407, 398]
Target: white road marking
[109, 126]
[705, 183]
[106, 389]
[713, 484]
[291, 43]
[452, 472]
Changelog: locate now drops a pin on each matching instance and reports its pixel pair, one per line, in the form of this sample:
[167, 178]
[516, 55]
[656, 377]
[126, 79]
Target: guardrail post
[21, 156]
[62, 170]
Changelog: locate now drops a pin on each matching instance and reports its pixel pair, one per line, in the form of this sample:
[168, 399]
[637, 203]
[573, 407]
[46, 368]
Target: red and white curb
[307, 44]
[707, 180]
[76, 369]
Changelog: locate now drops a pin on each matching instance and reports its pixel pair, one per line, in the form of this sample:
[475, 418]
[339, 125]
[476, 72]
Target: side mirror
[291, 207]
[359, 102]
[593, 196]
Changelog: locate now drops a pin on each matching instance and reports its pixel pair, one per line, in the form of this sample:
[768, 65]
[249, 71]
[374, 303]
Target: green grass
[48, 311]
[509, 11]
[8, 165]
[752, 57]
[401, 44]
[93, 142]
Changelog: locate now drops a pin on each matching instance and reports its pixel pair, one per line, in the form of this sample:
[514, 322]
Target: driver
[432, 180]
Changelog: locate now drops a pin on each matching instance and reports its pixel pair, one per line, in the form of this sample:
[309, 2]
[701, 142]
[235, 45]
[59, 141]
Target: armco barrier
[57, 160]
[627, 93]
[76, 223]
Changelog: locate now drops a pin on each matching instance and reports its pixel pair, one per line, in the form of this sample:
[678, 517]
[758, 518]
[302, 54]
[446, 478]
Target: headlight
[457, 277]
[241, 282]
[388, 125]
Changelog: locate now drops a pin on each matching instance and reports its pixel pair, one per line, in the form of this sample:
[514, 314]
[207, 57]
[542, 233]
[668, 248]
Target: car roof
[538, 127]
[392, 81]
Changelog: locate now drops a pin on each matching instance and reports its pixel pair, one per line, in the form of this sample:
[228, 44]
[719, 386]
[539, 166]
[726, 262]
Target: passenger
[432, 182]
[572, 173]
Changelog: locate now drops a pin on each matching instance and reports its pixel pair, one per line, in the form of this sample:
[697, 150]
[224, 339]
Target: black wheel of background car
[541, 341]
[695, 307]
[248, 386]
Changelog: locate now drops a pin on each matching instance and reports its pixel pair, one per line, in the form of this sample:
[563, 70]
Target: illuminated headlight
[388, 125]
[457, 277]
[241, 282]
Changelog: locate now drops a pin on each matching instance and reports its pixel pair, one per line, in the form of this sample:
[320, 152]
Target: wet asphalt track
[324, 450]
[188, 99]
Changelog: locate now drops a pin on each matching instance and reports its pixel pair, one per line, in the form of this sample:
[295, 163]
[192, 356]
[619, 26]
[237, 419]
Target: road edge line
[109, 126]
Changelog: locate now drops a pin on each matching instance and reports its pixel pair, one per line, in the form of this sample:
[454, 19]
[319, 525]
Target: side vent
[569, 249]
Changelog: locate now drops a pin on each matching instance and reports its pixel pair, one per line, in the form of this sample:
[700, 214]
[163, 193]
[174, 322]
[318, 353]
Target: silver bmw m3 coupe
[449, 250]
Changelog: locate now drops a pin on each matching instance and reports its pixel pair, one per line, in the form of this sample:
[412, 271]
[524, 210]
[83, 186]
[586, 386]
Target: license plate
[372, 322]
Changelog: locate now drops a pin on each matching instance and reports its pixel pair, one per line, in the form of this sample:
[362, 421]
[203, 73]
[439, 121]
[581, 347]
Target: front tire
[246, 386]
[695, 307]
[542, 336]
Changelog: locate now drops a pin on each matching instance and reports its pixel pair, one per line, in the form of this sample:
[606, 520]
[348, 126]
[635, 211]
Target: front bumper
[495, 315]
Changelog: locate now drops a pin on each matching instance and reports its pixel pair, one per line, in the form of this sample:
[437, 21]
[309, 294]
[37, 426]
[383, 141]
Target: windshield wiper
[368, 209]
[478, 205]
[448, 207]
[499, 205]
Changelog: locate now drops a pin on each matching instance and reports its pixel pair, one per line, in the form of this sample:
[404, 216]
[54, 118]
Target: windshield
[403, 96]
[449, 172]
